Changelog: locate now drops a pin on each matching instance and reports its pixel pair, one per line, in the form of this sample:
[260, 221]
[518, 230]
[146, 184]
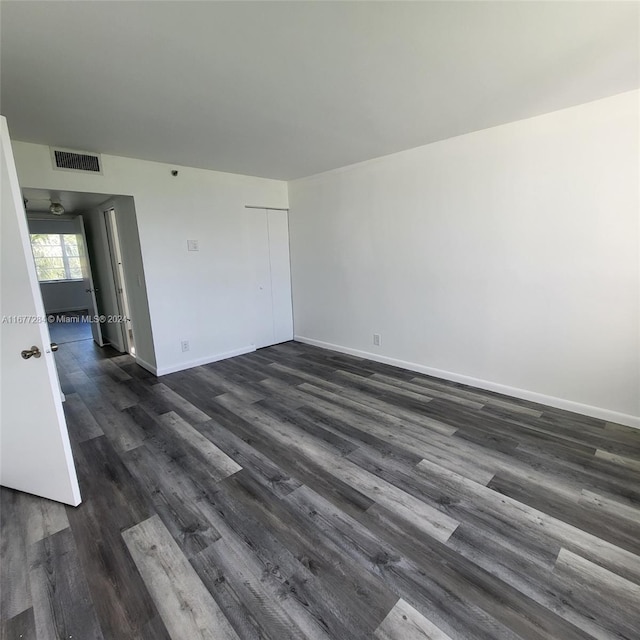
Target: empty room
[320, 320]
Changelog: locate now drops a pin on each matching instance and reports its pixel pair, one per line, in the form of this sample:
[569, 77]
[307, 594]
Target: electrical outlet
[185, 345]
[192, 245]
[376, 339]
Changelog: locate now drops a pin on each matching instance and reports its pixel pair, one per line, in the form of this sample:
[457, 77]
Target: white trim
[163, 371]
[532, 396]
[146, 365]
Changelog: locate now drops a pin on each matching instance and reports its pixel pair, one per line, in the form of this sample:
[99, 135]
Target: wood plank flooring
[304, 494]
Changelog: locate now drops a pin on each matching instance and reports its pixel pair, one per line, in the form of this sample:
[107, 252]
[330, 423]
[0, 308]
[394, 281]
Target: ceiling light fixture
[56, 209]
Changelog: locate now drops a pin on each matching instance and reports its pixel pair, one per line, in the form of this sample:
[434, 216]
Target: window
[57, 256]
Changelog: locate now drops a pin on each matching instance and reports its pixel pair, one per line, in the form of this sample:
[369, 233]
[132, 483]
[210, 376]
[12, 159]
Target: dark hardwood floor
[299, 493]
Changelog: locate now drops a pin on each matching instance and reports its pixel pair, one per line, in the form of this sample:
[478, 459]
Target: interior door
[113, 240]
[35, 453]
[278, 227]
[87, 281]
[269, 246]
[264, 331]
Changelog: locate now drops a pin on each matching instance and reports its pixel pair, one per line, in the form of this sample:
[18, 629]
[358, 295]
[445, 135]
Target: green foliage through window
[57, 256]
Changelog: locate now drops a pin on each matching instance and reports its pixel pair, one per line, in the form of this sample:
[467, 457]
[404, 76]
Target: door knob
[33, 352]
[54, 347]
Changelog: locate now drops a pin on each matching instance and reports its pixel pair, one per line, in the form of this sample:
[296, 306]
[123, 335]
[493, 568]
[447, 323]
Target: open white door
[35, 453]
[117, 265]
[87, 281]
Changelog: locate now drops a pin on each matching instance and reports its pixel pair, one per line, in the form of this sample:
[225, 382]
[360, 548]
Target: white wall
[204, 296]
[506, 258]
[63, 296]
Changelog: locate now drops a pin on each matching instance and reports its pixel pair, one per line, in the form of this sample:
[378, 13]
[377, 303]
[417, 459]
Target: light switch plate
[192, 245]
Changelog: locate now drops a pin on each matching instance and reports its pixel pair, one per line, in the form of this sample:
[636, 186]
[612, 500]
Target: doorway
[63, 268]
[82, 274]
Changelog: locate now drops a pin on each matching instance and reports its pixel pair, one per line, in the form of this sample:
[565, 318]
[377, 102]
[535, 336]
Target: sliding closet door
[261, 289]
[269, 247]
[278, 223]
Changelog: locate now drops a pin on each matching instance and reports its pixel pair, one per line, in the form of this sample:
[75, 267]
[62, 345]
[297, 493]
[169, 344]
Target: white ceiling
[39, 200]
[288, 89]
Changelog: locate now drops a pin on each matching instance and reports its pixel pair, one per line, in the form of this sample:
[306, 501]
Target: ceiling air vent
[69, 160]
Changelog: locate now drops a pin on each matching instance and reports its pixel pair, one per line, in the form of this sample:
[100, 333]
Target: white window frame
[65, 258]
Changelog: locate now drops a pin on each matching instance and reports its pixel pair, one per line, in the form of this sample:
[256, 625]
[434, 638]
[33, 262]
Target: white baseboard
[146, 365]
[559, 403]
[66, 310]
[163, 371]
